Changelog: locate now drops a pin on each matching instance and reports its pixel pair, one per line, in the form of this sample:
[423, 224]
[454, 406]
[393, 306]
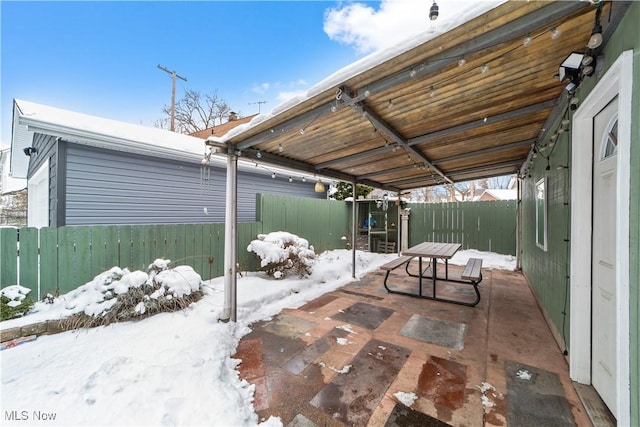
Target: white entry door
[603, 315]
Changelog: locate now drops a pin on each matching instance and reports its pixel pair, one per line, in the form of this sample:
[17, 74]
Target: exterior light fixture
[433, 12]
[259, 154]
[280, 148]
[461, 62]
[555, 33]
[290, 179]
[596, 34]
[319, 187]
[29, 151]
[527, 40]
[484, 69]
[432, 92]
[273, 175]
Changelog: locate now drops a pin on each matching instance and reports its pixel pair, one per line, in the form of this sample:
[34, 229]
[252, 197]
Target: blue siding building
[88, 170]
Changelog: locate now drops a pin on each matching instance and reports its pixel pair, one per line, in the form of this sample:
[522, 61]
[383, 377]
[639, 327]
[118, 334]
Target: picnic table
[472, 274]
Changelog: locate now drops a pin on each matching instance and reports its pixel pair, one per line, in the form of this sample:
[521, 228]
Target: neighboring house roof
[223, 128]
[31, 118]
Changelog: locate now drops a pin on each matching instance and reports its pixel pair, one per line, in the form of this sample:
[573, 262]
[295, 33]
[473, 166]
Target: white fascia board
[108, 142]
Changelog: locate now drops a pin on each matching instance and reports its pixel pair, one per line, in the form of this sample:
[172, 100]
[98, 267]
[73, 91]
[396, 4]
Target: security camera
[29, 151]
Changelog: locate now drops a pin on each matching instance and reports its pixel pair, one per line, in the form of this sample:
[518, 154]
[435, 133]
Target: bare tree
[195, 111]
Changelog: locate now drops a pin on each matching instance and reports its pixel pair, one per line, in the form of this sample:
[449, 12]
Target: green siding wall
[544, 270]
[548, 270]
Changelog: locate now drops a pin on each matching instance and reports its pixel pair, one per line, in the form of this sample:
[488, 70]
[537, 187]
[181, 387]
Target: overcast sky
[101, 58]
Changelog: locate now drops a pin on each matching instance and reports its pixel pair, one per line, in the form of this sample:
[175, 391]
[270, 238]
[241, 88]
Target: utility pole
[259, 102]
[173, 95]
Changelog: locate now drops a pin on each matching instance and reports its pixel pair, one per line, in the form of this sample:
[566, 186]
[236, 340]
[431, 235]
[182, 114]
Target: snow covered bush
[118, 295]
[283, 252]
[14, 302]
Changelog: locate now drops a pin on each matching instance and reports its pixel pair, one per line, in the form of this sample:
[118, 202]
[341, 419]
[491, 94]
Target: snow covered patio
[358, 355]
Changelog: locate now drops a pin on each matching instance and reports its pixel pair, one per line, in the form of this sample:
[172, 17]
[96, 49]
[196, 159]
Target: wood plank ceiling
[420, 119]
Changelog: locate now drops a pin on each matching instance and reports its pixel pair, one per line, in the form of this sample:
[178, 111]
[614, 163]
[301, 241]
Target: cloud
[261, 87]
[368, 29]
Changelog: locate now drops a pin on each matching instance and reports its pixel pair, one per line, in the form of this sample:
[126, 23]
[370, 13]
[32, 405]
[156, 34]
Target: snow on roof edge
[84, 125]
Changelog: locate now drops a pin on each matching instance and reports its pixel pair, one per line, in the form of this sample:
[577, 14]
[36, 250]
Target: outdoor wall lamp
[29, 151]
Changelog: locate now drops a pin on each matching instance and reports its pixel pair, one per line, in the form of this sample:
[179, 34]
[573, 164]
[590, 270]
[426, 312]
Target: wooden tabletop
[433, 250]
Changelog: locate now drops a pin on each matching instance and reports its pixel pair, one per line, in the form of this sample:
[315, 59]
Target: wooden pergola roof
[419, 119]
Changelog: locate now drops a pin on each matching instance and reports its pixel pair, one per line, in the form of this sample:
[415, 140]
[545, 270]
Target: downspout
[519, 225]
[399, 225]
[229, 311]
[354, 235]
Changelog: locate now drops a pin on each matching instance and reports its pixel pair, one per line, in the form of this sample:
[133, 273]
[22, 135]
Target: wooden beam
[388, 130]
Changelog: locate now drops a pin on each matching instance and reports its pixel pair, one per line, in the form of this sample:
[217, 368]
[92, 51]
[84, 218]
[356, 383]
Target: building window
[541, 214]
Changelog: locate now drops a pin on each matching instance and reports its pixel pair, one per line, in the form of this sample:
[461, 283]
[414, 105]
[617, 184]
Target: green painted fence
[485, 226]
[322, 222]
[61, 259]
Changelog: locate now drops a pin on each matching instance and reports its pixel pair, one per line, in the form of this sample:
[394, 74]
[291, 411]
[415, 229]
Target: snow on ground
[169, 369]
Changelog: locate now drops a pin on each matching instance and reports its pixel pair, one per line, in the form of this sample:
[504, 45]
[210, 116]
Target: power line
[173, 94]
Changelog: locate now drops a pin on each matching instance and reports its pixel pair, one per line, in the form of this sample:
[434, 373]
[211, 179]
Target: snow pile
[282, 252]
[15, 293]
[407, 399]
[116, 291]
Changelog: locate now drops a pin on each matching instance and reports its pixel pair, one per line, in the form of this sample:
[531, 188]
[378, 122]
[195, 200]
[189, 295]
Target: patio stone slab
[301, 421]
[535, 397]
[352, 397]
[318, 302]
[288, 326]
[435, 331]
[365, 315]
[443, 382]
[403, 416]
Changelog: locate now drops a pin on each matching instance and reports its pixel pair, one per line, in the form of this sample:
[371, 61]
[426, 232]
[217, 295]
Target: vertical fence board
[217, 242]
[198, 249]
[9, 257]
[48, 261]
[83, 248]
[112, 247]
[181, 249]
[66, 259]
[126, 246]
[98, 250]
[29, 260]
[137, 247]
[149, 254]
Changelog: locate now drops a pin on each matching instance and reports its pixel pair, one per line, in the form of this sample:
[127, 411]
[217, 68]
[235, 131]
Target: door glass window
[610, 146]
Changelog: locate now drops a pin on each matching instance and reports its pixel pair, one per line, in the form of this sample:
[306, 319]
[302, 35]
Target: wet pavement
[347, 357]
